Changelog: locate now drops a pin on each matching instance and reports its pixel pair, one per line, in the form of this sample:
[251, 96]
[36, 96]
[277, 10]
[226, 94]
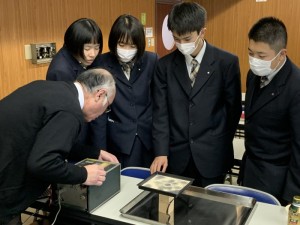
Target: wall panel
[35, 21]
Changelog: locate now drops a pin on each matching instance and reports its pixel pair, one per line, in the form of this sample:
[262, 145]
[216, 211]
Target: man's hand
[160, 163]
[96, 175]
[106, 156]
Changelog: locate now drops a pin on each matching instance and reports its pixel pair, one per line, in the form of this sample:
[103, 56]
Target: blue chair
[260, 196]
[137, 172]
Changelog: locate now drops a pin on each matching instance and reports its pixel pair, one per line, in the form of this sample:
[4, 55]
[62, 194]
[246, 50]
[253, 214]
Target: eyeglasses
[108, 109]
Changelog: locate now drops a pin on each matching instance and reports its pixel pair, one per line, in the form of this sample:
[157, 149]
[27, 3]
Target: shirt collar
[272, 75]
[199, 57]
[80, 94]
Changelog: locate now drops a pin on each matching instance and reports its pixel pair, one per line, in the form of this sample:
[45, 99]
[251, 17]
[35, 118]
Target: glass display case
[193, 206]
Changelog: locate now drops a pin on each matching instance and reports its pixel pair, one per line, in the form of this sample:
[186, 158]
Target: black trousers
[200, 181]
[140, 156]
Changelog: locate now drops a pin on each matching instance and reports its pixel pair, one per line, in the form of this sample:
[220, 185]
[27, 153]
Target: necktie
[263, 81]
[194, 71]
[127, 69]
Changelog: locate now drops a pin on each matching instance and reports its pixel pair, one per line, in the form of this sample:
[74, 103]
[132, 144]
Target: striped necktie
[194, 71]
[126, 67]
[263, 81]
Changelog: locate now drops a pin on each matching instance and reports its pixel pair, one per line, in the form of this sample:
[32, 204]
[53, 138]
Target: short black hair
[80, 32]
[269, 30]
[186, 17]
[127, 29]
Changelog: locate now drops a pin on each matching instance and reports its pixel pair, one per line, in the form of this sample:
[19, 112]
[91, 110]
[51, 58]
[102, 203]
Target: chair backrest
[260, 196]
[137, 172]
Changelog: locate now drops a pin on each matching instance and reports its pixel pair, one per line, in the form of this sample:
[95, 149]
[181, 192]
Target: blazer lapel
[116, 70]
[136, 71]
[272, 90]
[250, 91]
[181, 73]
[205, 71]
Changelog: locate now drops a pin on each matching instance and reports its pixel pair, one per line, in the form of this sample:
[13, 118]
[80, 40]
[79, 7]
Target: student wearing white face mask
[129, 122]
[272, 109]
[261, 67]
[195, 114]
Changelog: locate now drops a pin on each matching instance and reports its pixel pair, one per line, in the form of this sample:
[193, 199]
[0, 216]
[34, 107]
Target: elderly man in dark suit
[39, 125]
[272, 109]
[197, 102]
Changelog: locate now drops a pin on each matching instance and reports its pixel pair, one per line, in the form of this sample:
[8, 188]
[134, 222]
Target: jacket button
[191, 141]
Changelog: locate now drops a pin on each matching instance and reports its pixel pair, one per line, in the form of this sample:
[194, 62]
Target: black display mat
[164, 183]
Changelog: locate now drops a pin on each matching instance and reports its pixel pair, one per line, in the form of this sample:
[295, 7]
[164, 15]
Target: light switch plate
[27, 49]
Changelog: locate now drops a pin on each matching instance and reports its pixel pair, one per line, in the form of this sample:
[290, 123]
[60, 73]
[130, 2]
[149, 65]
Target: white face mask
[126, 55]
[187, 48]
[262, 67]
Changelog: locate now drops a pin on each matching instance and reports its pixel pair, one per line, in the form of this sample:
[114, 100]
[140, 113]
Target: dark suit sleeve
[57, 75]
[60, 74]
[61, 68]
[292, 184]
[52, 146]
[81, 151]
[160, 112]
[98, 131]
[233, 94]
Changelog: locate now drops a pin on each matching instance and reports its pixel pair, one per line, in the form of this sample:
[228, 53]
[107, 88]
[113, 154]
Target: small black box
[88, 198]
